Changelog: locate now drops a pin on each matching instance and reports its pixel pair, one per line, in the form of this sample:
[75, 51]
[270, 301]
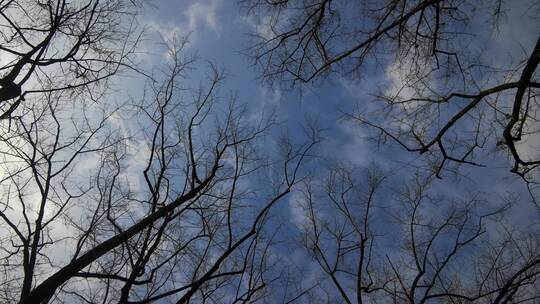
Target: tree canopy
[132, 172]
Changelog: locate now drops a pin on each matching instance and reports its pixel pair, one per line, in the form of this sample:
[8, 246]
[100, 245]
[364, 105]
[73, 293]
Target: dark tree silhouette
[190, 229]
[451, 100]
[49, 46]
[166, 197]
[444, 95]
[413, 246]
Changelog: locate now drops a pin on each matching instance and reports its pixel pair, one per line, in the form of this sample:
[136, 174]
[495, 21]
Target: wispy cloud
[198, 17]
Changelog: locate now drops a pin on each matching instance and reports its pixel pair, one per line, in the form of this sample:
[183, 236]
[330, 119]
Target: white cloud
[6, 58]
[296, 209]
[353, 146]
[198, 17]
[269, 95]
[202, 15]
[261, 26]
[167, 30]
[398, 74]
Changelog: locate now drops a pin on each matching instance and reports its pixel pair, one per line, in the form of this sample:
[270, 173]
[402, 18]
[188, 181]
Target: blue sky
[218, 31]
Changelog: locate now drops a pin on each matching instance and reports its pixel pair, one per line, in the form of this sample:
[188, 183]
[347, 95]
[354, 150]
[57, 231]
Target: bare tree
[453, 101]
[62, 45]
[301, 41]
[95, 208]
[417, 247]
[92, 212]
[443, 95]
